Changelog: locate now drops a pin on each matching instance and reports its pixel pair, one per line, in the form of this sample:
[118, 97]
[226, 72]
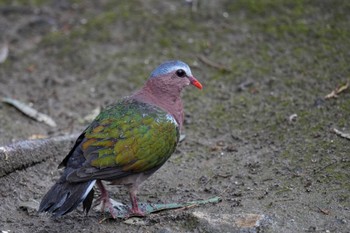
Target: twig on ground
[4, 52]
[341, 134]
[326, 166]
[29, 111]
[213, 64]
[323, 211]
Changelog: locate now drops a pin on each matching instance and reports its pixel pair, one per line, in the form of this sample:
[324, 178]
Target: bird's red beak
[195, 82]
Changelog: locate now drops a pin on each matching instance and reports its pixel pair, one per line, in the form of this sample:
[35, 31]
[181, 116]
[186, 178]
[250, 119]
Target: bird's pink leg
[135, 211]
[105, 199]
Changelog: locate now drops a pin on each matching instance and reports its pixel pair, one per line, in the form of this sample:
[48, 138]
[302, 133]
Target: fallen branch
[341, 134]
[213, 64]
[23, 154]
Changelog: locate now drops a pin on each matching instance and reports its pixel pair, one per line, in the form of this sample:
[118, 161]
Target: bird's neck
[164, 97]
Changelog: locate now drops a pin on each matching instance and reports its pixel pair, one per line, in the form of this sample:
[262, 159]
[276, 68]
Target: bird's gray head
[178, 71]
[170, 67]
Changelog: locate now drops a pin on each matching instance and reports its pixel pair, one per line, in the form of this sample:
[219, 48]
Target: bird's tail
[64, 197]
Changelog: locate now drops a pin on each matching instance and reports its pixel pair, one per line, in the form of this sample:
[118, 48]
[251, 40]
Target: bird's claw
[132, 214]
[135, 212]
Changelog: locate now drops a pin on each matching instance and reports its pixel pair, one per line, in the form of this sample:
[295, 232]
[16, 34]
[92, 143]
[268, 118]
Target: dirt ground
[260, 134]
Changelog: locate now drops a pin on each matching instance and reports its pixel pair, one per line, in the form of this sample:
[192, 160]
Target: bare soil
[260, 62]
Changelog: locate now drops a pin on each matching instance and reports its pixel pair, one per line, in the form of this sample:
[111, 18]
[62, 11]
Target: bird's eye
[181, 73]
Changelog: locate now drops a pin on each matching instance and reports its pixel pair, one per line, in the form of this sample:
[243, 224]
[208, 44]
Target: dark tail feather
[88, 201]
[64, 197]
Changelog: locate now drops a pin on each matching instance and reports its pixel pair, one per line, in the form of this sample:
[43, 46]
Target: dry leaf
[337, 91]
[37, 136]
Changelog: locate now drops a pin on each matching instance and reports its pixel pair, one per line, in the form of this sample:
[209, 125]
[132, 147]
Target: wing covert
[127, 139]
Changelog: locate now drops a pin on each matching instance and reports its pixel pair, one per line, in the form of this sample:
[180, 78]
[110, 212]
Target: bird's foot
[134, 213]
[107, 202]
[135, 210]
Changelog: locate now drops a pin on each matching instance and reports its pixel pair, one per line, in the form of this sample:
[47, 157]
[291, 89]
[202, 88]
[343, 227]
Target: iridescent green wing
[129, 137]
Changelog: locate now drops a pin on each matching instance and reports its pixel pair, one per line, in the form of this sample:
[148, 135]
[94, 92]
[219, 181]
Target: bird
[125, 144]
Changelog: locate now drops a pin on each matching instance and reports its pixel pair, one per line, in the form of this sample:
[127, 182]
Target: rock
[212, 222]
[165, 230]
[30, 206]
[135, 221]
